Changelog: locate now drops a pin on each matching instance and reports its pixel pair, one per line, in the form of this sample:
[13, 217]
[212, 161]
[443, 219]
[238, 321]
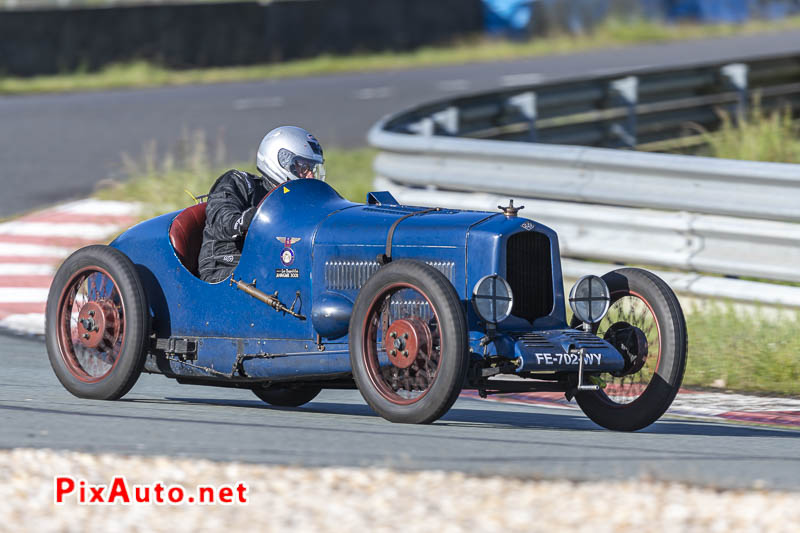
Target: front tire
[97, 324]
[408, 343]
[640, 300]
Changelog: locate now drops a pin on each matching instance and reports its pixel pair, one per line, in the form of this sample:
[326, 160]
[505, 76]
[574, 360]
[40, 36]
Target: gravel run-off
[282, 498]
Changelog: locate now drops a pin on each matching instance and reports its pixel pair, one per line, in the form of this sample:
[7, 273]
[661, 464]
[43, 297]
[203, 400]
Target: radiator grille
[585, 339]
[535, 340]
[351, 275]
[529, 271]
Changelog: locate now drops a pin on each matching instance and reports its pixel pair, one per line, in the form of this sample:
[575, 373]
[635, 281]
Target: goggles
[301, 167]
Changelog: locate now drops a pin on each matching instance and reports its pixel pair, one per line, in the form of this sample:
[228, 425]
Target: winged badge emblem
[288, 241]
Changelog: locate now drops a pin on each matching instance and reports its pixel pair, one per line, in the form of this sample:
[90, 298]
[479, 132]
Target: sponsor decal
[567, 358]
[287, 273]
[285, 189]
[287, 254]
[527, 225]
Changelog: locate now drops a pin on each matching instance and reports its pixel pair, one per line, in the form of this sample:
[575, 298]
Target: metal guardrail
[696, 214]
[593, 175]
[647, 109]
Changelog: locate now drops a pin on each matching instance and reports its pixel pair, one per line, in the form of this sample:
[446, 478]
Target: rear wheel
[646, 324]
[97, 324]
[408, 342]
[287, 396]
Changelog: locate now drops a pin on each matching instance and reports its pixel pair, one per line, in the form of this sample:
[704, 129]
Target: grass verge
[732, 350]
[759, 136]
[614, 32]
[163, 187]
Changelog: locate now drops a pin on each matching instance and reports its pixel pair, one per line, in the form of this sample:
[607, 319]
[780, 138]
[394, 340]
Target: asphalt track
[57, 147]
[161, 417]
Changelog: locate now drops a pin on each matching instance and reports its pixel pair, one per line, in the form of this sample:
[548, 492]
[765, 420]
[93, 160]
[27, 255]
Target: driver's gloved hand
[243, 222]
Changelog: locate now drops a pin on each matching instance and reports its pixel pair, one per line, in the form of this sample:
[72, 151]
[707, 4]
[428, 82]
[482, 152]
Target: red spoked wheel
[402, 350]
[91, 322]
[645, 323]
[408, 342]
[97, 323]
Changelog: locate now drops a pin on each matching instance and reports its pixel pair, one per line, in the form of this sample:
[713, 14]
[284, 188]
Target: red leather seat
[186, 235]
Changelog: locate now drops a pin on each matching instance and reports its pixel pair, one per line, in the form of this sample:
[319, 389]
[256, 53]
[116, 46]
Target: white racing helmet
[288, 153]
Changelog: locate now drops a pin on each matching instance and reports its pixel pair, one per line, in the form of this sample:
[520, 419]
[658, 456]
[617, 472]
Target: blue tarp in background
[507, 16]
[526, 17]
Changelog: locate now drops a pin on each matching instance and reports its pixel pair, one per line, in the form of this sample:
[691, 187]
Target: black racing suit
[232, 203]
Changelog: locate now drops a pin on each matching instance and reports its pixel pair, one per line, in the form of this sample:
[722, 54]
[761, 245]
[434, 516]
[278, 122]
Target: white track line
[373, 93]
[49, 229]
[8, 249]
[512, 80]
[267, 102]
[453, 85]
[31, 323]
[26, 269]
[98, 207]
[14, 295]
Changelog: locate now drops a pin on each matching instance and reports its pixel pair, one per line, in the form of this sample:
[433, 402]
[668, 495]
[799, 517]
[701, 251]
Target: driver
[285, 153]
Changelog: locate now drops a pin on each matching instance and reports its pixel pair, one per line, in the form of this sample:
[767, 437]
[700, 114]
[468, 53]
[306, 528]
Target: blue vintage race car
[409, 304]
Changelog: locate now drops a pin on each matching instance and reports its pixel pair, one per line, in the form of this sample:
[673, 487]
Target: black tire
[112, 288]
[441, 366]
[287, 396]
[659, 383]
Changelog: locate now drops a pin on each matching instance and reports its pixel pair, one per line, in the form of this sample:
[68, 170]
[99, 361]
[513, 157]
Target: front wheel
[97, 324]
[645, 322]
[408, 342]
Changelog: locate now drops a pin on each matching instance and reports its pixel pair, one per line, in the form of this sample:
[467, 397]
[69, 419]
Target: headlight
[589, 299]
[492, 299]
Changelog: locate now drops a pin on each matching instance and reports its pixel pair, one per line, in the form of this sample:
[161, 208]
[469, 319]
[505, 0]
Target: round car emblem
[287, 256]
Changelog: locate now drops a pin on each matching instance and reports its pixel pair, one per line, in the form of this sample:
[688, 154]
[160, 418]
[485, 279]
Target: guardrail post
[627, 89]
[448, 120]
[734, 76]
[526, 104]
[422, 127]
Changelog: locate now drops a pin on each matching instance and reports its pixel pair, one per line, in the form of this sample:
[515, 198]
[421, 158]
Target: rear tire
[645, 395]
[97, 324]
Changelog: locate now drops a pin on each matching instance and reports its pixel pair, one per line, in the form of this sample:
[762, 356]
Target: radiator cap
[510, 210]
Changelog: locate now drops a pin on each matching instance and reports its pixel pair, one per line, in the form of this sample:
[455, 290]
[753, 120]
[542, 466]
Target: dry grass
[758, 136]
[757, 352]
[164, 183]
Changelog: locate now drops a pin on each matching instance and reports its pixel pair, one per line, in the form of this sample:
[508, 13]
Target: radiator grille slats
[529, 271]
[535, 340]
[588, 340]
[351, 275]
